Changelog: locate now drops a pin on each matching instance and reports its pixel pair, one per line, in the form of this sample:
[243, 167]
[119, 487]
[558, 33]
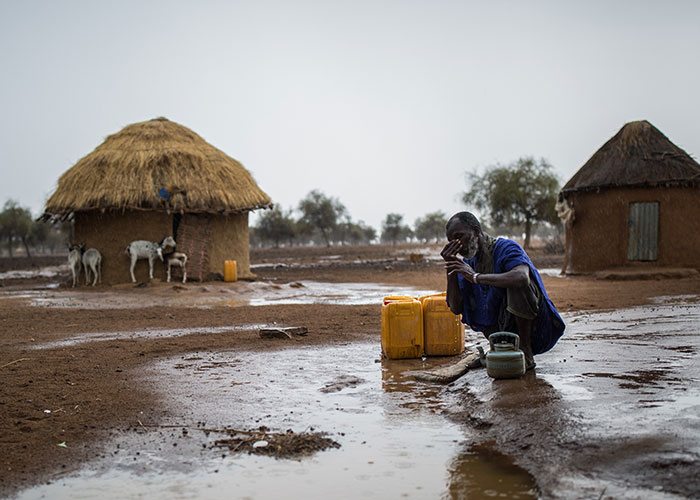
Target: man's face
[466, 236]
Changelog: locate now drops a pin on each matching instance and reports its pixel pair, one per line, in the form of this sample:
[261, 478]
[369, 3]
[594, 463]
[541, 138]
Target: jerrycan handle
[507, 336]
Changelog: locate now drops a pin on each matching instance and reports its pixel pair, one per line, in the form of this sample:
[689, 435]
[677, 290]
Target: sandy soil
[83, 392]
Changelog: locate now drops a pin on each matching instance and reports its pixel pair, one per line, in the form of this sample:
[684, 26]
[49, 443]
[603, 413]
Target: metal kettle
[505, 359]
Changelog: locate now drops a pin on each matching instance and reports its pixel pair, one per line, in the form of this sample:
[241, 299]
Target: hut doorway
[643, 224]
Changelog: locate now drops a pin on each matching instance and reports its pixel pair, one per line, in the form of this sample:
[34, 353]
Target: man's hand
[450, 252]
[454, 264]
[460, 267]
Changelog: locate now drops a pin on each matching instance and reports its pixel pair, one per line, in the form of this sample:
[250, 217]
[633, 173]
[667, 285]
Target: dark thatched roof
[156, 165]
[638, 155]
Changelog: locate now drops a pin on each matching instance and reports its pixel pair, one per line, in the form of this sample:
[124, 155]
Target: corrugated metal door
[643, 240]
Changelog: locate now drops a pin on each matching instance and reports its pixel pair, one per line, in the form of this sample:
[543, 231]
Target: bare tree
[394, 230]
[521, 193]
[320, 212]
[15, 225]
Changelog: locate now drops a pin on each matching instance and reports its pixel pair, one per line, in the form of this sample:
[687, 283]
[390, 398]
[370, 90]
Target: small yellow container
[230, 270]
[443, 330]
[402, 327]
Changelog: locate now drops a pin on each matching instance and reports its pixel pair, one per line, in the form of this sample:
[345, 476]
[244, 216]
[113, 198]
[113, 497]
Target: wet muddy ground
[123, 392]
[393, 435]
[612, 412]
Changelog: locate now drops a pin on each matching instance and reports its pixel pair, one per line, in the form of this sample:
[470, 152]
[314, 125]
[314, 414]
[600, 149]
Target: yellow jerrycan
[442, 329]
[402, 327]
[230, 270]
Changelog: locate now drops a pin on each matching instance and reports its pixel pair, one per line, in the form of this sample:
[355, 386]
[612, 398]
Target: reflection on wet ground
[643, 349]
[551, 271]
[44, 272]
[472, 476]
[313, 292]
[395, 440]
[258, 293]
[149, 333]
[630, 382]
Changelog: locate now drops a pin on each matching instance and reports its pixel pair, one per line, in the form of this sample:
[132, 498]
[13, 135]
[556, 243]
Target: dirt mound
[34, 262]
[262, 441]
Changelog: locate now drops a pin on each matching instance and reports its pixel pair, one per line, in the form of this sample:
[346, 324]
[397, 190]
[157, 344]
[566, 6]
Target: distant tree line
[19, 230]
[323, 220]
[517, 198]
[513, 199]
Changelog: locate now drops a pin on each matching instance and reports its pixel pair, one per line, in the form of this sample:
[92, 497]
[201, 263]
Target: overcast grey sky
[382, 104]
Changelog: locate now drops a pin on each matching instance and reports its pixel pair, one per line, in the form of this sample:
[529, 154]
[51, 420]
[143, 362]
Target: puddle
[395, 440]
[330, 258]
[151, 333]
[259, 293]
[24, 294]
[43, 272]
[551, 271]
[640, 358]
[674, 299]
[315, 292]
[624, 378]
[469, 471]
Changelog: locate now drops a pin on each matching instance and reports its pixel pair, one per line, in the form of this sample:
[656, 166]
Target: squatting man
[493, 284]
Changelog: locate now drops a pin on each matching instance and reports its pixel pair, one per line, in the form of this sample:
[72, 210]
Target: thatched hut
[153, 179]
[635, 202]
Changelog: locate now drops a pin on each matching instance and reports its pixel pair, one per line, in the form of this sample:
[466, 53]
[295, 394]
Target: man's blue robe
[483, 303]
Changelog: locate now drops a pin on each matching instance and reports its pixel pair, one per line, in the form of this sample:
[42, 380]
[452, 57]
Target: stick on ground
[450, 373]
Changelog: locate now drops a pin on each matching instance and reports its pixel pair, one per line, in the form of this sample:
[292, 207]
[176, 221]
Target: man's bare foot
[529, 362]
[476, 363]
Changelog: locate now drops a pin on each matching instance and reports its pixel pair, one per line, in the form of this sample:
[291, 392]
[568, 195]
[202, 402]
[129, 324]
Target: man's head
[465, 227]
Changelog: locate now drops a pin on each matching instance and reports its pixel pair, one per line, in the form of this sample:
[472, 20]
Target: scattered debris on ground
[341, 382]
[283, 333]
[262, 441]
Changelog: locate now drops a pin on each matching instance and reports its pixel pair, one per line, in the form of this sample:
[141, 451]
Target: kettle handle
[510, 336]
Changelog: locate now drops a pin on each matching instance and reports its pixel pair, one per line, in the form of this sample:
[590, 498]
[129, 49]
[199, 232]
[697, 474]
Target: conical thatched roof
[638, 155]
[156, 165]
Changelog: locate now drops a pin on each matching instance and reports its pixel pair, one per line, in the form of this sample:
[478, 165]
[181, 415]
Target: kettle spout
[482, 356]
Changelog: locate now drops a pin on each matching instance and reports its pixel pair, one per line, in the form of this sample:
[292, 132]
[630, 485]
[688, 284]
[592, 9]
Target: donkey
[74, 257]
[92, 260]
[142, 249]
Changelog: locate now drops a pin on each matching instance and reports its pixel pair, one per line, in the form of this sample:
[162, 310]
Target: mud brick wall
[207, 239]
[230, 241]
[597, 239]
[111, 233]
